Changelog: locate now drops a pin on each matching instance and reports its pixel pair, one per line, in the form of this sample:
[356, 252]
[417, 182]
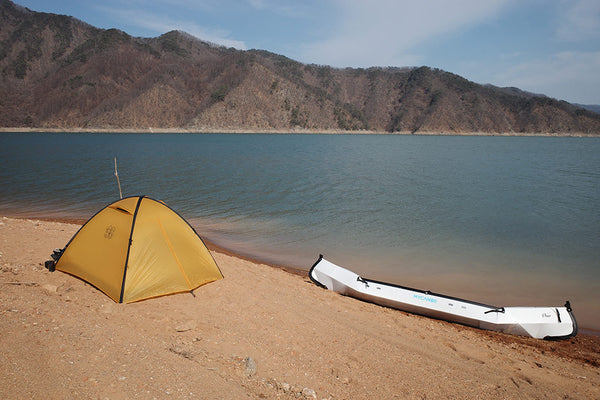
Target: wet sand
[259, 333]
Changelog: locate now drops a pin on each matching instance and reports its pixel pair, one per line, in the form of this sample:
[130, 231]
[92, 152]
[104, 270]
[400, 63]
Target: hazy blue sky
[543, 46]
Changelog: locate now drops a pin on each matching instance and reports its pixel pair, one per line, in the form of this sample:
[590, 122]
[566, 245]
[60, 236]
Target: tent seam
[137, 207]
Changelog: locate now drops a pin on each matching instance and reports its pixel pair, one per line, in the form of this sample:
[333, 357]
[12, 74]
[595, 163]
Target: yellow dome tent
[137, 248]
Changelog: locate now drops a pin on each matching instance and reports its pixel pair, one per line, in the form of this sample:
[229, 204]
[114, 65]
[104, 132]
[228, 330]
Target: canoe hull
[537, 322]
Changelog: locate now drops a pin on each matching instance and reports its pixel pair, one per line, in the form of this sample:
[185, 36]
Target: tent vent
[122, 210]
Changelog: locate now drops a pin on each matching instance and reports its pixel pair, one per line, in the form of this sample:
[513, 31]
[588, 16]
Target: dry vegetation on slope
[59, 72]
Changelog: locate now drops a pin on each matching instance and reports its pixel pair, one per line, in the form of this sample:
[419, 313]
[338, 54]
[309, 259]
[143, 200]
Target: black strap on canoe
[498, 310]
[359, 279]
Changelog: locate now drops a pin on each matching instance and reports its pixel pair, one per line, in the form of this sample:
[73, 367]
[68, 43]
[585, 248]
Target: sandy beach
[259, 333]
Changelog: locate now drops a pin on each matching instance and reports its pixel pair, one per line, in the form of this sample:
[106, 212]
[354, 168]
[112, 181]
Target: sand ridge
[259, 333]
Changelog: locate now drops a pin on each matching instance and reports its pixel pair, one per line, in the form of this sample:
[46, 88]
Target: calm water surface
[502, 220]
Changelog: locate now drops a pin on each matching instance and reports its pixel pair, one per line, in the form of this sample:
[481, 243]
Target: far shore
[200, 130]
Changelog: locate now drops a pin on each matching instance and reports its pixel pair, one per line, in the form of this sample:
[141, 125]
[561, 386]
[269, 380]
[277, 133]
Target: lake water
[501, 220]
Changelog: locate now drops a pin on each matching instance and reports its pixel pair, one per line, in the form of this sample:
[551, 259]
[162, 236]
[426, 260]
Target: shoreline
[214, 247]
[259, 333]
[210, 244]
[284, 132]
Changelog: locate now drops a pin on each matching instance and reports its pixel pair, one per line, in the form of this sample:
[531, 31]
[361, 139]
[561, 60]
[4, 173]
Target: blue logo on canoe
[425, 298]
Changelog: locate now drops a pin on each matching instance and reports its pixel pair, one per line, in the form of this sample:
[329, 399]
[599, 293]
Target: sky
[550, 47]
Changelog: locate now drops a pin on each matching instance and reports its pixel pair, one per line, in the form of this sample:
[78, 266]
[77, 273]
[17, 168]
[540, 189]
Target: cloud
[220, 37]
[287, 8]
[159, 24]
[580, 20]
[387, 32]
[258, 4]
[569, 75]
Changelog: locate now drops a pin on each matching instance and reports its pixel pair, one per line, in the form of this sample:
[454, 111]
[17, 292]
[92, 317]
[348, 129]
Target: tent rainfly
[137, 248]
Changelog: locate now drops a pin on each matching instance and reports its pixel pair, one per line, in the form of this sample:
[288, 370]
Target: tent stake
[118, 181]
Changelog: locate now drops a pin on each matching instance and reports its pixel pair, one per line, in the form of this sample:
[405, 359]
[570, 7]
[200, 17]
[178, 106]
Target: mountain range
[60, 72]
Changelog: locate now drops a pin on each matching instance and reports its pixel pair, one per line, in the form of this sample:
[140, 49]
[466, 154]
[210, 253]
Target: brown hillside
[59, 72]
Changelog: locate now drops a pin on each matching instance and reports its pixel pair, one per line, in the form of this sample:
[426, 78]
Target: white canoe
[537, 322]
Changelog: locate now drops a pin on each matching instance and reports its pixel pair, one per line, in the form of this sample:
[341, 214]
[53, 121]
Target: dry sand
[259, 333]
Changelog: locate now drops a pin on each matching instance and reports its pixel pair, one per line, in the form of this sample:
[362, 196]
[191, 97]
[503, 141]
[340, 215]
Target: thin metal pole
[118, 181]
